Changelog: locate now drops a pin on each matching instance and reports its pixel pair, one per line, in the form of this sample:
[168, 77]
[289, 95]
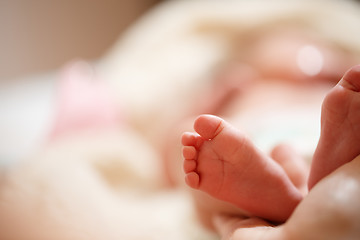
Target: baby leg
[294, 165]
[340, 127]
[224, 163]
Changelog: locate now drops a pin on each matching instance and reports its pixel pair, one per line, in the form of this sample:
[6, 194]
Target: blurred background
[41, 35]
[37, 38]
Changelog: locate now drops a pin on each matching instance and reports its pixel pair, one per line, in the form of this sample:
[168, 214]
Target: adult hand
[235, 227]
[331, 210]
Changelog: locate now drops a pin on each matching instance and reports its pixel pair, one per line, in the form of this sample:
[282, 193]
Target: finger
[225, 224]
[237, 228]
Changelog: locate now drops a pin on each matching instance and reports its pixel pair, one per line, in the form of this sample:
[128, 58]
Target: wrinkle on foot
[223, 162]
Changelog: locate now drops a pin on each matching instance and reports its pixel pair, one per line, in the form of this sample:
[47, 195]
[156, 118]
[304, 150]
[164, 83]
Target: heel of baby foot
[351, 79]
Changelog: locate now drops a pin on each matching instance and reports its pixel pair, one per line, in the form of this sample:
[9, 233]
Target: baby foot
[339, 141]
[224, 163]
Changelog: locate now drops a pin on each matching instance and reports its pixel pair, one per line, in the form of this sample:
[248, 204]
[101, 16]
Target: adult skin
[331, 210]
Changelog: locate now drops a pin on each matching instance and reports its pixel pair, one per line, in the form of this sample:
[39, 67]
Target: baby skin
[221, 161]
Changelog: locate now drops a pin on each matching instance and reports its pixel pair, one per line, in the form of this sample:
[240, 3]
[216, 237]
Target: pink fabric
[84, 102]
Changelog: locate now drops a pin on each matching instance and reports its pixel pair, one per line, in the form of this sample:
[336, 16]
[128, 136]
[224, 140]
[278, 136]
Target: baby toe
[189, 152]
[189, 166]
[192, 179]
[208, 126]
[351, 79]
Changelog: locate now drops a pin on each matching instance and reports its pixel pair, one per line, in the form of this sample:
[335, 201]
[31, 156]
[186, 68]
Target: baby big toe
[351, 79]
[208, 126]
